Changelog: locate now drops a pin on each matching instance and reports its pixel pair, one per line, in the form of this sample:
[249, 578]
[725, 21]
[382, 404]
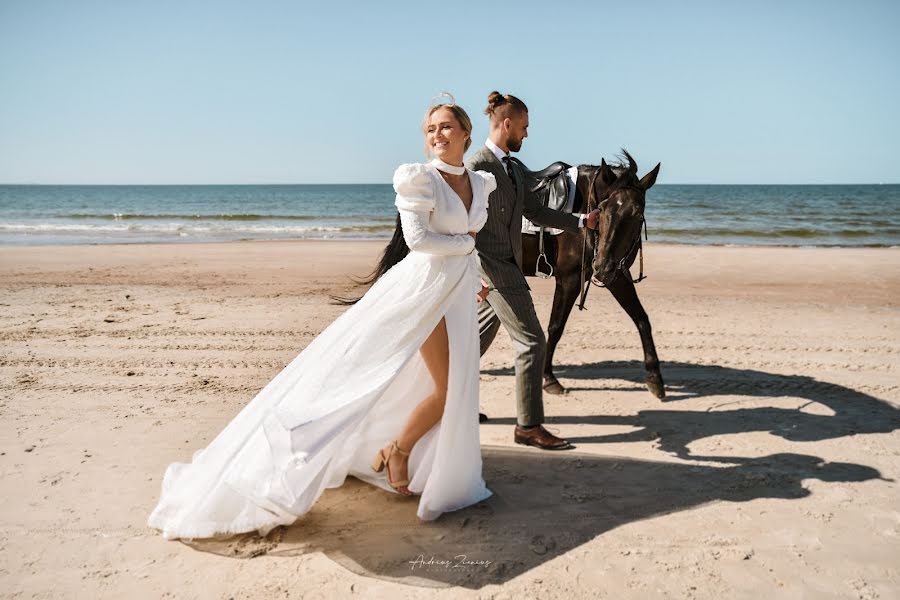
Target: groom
[499, 247]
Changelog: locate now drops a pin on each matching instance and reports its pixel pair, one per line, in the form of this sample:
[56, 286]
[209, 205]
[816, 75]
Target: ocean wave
[185, 229]
[199, 217]
[773, 233]
[850, 216]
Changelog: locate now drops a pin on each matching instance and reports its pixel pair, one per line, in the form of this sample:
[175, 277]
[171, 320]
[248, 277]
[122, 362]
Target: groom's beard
[514, 145]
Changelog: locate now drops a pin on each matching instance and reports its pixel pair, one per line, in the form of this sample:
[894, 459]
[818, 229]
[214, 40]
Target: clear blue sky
[333, 92]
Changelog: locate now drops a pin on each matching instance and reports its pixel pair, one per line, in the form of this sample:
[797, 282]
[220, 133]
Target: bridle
[621, 266]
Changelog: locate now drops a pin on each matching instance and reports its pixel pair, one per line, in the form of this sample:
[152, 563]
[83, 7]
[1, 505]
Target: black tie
[509, 170]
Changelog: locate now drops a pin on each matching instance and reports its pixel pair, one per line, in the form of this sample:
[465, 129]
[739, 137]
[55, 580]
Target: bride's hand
[483, 294]
[472, 233]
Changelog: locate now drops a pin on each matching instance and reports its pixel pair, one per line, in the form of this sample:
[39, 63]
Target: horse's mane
[625, 168]
[622, 165]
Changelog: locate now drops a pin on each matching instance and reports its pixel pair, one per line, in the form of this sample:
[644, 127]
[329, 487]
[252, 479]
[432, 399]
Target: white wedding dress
[352, 389]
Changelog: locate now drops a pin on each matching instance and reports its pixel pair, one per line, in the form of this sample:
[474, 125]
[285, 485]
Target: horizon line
[382, 183]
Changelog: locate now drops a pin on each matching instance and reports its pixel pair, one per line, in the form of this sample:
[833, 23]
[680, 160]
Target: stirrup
[537, 267]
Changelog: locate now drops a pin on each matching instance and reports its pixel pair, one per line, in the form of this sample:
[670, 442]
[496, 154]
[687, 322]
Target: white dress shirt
[500, 154]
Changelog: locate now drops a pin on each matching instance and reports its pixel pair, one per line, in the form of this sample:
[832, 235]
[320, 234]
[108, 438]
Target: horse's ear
[607, 176]
[649, 179]
[632, 164]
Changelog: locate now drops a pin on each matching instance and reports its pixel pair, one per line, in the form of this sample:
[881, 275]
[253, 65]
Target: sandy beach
[770, 471]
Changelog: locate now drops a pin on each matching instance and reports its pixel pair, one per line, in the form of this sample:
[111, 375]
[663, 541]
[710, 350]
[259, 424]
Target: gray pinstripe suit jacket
[499, 243]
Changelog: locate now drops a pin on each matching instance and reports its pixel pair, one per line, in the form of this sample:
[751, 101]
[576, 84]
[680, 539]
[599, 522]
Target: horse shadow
[543, 506]
[851, 412]
[547, 504]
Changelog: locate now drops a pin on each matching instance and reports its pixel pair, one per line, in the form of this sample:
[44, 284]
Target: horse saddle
[554, 187]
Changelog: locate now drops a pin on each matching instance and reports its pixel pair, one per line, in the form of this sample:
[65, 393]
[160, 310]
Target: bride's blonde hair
[464, 121]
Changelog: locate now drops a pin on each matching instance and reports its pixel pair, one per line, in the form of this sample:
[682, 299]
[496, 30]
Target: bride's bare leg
[436, 354]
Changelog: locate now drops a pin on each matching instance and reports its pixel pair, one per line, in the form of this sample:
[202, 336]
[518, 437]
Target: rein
[585, 281]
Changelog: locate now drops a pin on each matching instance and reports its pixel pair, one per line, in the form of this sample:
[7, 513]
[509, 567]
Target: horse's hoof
[656, 386]
[555, 388]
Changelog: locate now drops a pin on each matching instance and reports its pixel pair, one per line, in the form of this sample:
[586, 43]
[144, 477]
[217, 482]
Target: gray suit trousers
[514, 308]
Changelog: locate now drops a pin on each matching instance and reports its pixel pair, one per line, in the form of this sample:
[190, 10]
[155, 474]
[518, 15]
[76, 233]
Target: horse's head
[619, 195]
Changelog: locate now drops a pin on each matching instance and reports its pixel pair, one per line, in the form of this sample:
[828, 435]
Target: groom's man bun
[503, 106]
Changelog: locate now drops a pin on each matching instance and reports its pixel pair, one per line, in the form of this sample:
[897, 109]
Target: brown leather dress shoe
[541, 438]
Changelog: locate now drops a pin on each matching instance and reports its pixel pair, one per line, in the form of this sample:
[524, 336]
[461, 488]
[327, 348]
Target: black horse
[604, 256]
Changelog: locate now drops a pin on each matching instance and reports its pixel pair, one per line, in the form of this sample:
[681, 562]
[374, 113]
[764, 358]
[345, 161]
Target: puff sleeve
[415, 202]
[478, 214]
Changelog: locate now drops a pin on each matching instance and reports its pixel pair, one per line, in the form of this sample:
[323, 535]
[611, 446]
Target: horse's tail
[394, 252]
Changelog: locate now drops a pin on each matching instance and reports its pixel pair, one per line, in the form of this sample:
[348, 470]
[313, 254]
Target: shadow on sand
[851, 412]
[546, 504]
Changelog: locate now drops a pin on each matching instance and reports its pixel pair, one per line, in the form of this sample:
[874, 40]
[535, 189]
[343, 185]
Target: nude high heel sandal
[381, 461]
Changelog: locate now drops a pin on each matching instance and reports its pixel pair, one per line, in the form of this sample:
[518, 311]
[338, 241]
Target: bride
[395, 377]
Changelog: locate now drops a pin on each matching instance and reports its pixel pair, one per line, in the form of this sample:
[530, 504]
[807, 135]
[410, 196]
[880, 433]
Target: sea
[730, 215]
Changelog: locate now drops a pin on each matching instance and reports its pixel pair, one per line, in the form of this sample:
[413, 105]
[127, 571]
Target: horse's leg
[623, 290]
[568, 276]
